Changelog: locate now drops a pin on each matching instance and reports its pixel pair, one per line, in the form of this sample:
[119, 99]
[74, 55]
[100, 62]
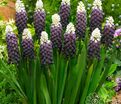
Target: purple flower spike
[21, 16]
[39, 18]
[108, 32]
[27, 45]
[81, 20]
[69, 48]
[96, 15]
[46, 51]
[64, 12]
[12, 46]
[94, 44]
[56, 32]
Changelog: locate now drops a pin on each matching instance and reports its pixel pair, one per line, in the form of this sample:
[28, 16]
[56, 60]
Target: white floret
[26, 34]
[44, 38]
[55, 19]
[70, 28]
[96, 35]
[81, 7]
[97, 4]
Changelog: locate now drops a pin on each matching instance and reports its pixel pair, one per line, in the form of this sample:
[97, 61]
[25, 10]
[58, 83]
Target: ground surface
[117, 99]
[8, 11]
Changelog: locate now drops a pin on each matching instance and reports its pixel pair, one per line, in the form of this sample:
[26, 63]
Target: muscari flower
[56, 32]
[27, 45]
[81, 20]
[64, 12]
[12, 46]
[96, 15]
[108, 32]
[21, 16]
[94, 44]
[39, 18]
[46, 51]
[69, 45]
[118, 87]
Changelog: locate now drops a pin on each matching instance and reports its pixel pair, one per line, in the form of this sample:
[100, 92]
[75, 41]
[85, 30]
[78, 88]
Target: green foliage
[67, 81]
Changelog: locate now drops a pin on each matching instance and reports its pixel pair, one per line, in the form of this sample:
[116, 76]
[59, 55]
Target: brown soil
[117, 98]
[7, 11]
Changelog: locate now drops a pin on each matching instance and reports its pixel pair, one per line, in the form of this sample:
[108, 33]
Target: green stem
[83, 97]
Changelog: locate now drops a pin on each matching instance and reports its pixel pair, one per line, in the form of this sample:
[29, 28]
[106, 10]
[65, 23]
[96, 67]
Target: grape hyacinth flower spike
[39, 18]
[108, 32]
[64, 12]
[69, 46]
[94, 44]
[96, 15]
[81, 20]
[46, 51]
[12, 46]
[21, 16]
[56, 32]
[27, 45]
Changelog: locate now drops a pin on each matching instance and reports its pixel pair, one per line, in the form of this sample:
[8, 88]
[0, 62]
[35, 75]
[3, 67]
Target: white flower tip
[44, 37]
[70, 28]
[55, 19]
[66, 1]
[26, 34]
[39, 4]
[8, 29]
[81, 7]
[110, 21]
[97, 4]
[19, 6]
[96, 35]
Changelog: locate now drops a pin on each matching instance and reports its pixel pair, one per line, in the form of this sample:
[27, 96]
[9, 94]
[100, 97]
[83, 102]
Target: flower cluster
[65, 44]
